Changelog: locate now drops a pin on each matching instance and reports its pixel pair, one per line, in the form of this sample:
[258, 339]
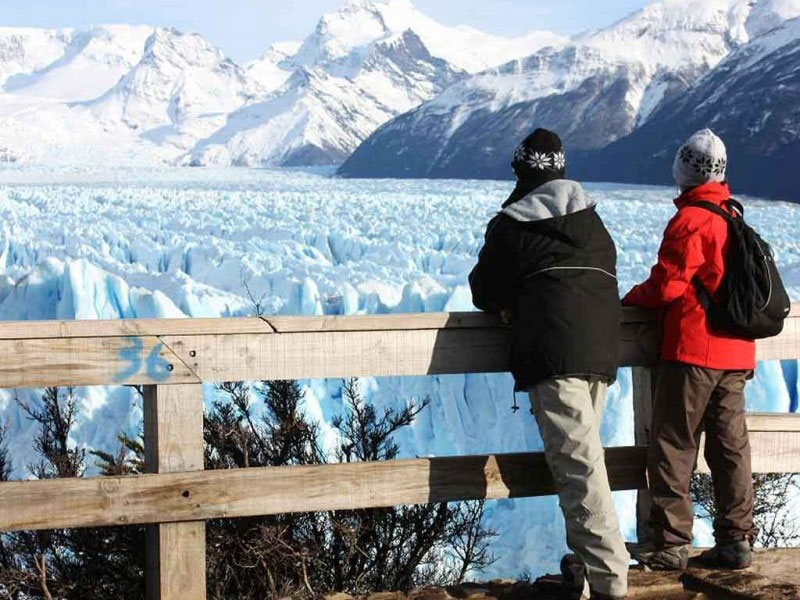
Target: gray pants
[569, 411]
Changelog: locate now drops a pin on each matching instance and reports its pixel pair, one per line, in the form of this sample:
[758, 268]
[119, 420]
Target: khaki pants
[568, 411]
[688, 400]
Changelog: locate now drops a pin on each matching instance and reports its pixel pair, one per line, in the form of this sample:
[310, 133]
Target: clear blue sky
[244, 28]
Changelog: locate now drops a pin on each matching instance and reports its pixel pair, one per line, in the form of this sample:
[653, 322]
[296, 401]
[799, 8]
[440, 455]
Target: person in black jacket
[548, 268]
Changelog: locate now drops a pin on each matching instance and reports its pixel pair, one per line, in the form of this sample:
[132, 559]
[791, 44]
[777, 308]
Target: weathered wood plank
[173, 438]
[244, 492]
[173, 428]
[179, 551]
[283, 324]
[16, 330]
[772, 452]
[322, 347]
[784, 346]
[643, 383]
[249, 356]
[362, 353]
[192, 496]
[777, 422]
[90, 361]
[19, 330]
[344, 354]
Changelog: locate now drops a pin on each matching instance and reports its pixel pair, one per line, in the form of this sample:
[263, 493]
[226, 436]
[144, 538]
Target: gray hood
[553, 199]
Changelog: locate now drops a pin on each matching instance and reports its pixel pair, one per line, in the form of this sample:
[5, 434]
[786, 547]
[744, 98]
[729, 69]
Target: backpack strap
[734, 207]
[711, 207]
[703, 295]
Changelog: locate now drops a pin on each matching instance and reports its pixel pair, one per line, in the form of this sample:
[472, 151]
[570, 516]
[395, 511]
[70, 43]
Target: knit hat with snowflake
[702, 159]
[540, 156]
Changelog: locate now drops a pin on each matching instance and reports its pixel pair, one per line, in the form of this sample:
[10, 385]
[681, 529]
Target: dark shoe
[573, 575]
[599, 596]
[733, 555]
[670, 558]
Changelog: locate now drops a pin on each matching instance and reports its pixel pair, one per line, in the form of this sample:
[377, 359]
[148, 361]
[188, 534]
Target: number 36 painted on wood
[156, 367]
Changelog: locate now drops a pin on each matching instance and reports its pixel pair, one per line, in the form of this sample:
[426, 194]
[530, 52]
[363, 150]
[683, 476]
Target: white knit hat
[702, 159]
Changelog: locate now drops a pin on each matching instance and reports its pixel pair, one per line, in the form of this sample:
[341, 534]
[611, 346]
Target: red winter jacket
[695, 243]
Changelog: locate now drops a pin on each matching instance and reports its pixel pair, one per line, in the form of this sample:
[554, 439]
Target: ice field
[81, 244]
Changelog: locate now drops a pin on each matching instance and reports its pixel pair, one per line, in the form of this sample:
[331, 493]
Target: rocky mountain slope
[751, 100]
[593, 91]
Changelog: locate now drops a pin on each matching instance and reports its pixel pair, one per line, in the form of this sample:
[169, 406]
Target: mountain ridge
[173, 96]
[593, 91]
[470, 130]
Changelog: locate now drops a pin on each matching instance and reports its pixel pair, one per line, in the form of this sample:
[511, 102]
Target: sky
[243, 29]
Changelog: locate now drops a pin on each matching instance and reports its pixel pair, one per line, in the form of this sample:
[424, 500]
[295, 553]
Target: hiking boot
[573, 575]
[668, 558]
[732, 555]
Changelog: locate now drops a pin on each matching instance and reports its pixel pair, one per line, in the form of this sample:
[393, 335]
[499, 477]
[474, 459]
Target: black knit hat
[540, 156]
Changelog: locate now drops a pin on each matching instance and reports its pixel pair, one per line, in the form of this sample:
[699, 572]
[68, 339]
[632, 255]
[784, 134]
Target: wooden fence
[171, 358]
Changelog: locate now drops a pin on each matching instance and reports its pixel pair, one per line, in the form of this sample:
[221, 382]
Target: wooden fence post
[173, 439]
[643, 386]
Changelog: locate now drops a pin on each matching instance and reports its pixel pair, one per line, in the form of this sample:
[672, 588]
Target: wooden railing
[171, 358]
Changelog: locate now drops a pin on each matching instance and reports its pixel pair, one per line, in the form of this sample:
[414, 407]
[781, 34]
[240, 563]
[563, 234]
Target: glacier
[99, 243]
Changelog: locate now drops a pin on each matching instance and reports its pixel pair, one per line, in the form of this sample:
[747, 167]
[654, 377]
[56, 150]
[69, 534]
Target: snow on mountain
[138, 95]
[43, 71]
[68, 65]
[749, 100]
[268, 69]
[593, 91]
[771, 14]
[155, 243]
[180, 77]
[24, 51]
[364, 64]
[323, 112]
[181, 91]
[178, 90]
[360, 22]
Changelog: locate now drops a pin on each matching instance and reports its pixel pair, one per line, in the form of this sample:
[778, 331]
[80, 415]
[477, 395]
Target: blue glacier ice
[83, 244]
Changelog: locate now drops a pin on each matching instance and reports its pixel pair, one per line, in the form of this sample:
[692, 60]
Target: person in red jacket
[702, 379]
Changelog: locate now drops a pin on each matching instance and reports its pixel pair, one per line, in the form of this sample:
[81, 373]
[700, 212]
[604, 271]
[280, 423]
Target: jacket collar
[526, 185]
[713, 192]
[556, 198]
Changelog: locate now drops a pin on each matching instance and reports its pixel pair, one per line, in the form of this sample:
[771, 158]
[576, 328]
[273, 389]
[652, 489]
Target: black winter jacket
[550, 260]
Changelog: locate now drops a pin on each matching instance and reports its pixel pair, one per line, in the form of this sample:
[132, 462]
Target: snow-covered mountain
[361, 22]
[751, 100]
[114, 95]
[363, 65]
[324, 112]
[273, 68]
[593, 91]
[139, 95]
[69, 64]
[182, 89]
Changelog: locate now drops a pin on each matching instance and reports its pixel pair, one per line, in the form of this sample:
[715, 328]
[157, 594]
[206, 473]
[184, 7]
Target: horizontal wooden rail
[177, 351]
[193, 496]
[173, 357]
[198, 495]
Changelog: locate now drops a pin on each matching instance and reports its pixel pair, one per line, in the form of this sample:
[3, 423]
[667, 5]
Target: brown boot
[668, 558]
[573, 574]
[733, 555]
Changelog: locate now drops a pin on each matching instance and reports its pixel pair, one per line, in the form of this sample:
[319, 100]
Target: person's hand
[506, 316]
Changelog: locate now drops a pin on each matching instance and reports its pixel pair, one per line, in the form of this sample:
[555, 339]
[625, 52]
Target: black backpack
[753, 300]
